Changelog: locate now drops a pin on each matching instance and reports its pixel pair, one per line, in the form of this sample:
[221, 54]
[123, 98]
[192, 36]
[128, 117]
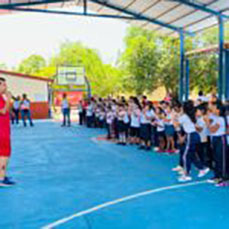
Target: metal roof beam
[140, 16]
[8, 6]
[71, 13]
[201, 7]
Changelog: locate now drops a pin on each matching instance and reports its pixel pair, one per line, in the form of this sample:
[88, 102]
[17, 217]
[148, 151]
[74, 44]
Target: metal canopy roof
[165, 16]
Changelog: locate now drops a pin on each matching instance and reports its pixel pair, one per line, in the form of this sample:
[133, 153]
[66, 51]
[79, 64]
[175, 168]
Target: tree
[32, 65]
[139, 61]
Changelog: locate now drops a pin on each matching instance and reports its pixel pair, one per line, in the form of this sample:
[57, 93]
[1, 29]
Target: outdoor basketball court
[68, 179]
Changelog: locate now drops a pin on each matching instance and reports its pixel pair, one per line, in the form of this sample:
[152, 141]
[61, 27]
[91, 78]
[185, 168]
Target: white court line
[117, 201]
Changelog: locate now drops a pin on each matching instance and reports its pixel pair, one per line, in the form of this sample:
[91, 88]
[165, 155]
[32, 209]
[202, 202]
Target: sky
[24, 34]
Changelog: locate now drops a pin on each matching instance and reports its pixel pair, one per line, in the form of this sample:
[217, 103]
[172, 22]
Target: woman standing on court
[25, 110]
[5, 142]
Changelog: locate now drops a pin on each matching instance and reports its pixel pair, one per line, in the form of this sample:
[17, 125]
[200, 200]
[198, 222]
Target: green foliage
[32, 65]
[140, 60]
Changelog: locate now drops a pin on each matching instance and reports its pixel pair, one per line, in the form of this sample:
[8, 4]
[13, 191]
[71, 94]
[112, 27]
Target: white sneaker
[184, 178]
[203, 172]
[177, 169]
[182, 172]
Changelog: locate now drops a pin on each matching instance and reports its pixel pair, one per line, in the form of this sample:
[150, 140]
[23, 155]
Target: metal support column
[182, 62]
[85, 7]
[187, 80]
[50, 99]
[226, 75]
[221, 64]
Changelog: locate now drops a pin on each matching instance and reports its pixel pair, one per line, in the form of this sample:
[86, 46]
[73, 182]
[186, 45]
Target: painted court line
[117, 201]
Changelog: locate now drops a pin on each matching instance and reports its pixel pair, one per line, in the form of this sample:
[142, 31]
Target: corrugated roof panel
[106, 10]
[164, 31]
[176, 13]
[139, 6]
[138, 23]
[160, 8]
[171, 12]
[151, 26]
[220, 5]
[194, 17]
[121, 3]
[93, 6]
[203, 24]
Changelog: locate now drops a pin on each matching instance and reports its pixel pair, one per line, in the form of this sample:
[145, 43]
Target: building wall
[37, 91]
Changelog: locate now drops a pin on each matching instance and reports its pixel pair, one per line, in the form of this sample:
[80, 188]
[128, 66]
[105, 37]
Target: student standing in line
[135, 115]
[89, 114]
[25, 110]
[188, 120]
[169, 131]
[110, 116]
[121, 115]
[160, 125]
[66, 110]
[201, 127]
[5, 141]
[147, 115]
[180, 135]
[102, 116]
[217, 126]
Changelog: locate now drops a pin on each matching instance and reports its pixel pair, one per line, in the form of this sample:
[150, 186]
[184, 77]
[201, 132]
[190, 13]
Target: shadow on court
[62, 171]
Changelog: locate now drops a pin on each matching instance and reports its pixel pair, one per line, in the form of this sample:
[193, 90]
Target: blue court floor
[63, 172]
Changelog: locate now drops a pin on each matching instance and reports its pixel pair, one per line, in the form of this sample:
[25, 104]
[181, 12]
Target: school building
[37, 89]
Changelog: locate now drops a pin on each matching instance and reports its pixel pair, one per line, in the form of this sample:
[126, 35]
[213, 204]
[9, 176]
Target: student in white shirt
[187, 121]
[217, 127]
[25, 110]
[160, 125]
[135, 114]
[110, 116]
[146, 117]
[102, 116]
[122, 114]
[201, 127]
[89, 114]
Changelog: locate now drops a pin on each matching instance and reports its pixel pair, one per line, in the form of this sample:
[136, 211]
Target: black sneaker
[6, 182]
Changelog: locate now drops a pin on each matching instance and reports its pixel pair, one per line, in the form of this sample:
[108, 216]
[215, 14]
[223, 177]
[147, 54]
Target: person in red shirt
[5, 141]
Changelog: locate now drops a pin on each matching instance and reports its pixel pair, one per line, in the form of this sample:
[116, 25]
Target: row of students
[205, 143]
[199, 132]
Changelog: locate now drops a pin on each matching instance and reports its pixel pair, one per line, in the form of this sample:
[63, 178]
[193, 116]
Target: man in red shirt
[5, 141]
